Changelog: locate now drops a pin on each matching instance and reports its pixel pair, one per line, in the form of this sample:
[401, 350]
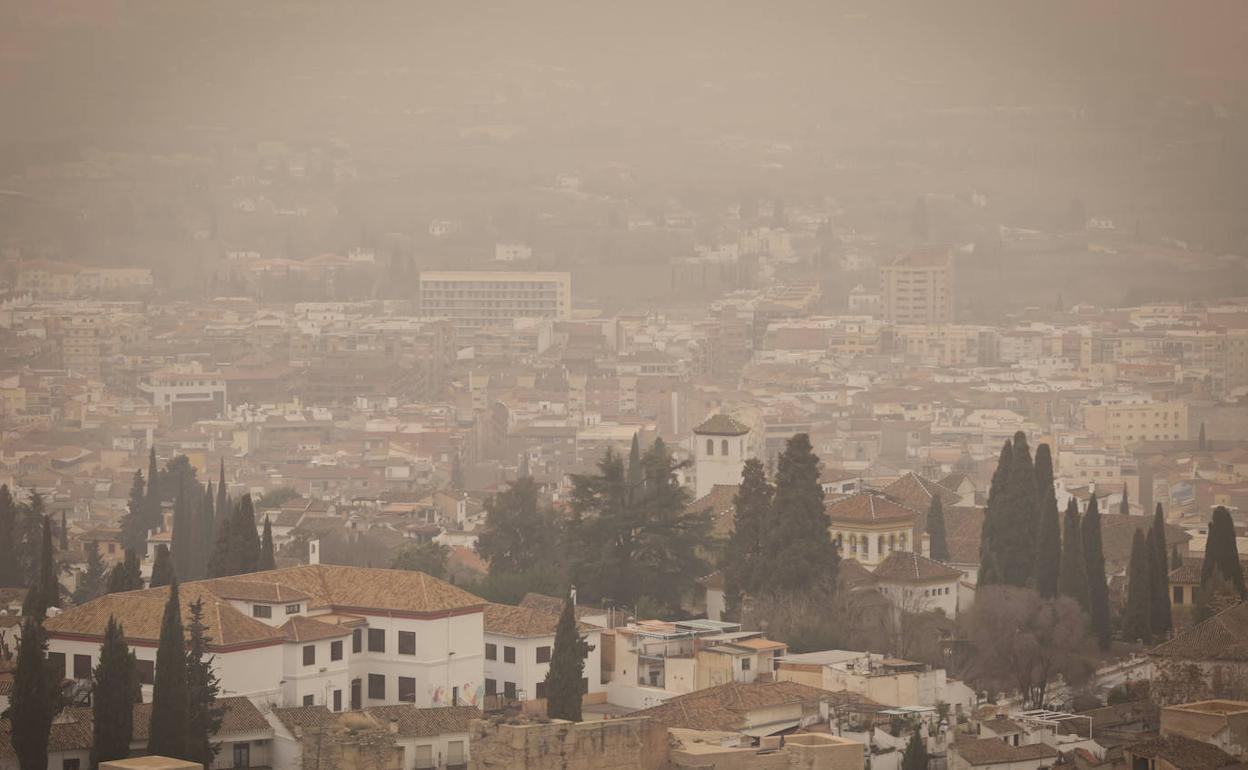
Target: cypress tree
[938, 543]
[36, 697]
[798, 544]
[183, 540]
[91, 583]
[111, 701]
[1136, 616]
[134, 523]
[28, 531]
[220, 561]
[636, 473]
[267, 561]
[9, 575]
[1176, 559]
[745, 565]
[169, 724]
[1124, 505]
[1221, 551]
[1162, 620]
[990, 569]
[222, 511]
[1017, 536]
[915, 755]
[45, 591]
[247, 539]
[1073, 575]
[1049, 530]
[163, 568]
[64, 534]
[1098, 589]
[205, 532]
[151, 503]
[567, 668]
[457, 475]
[203, 688]
[125, 576]
[1201, 443]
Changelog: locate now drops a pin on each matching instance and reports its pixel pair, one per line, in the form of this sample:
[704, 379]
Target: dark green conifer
[1098, 589]
[565, 678]
[1049, 528]
[170, 722]
[111, 701]
[1222, 552]
[36, 697]
[1136, 615]
[1159, 570]
[163, 568]
[1073, 575]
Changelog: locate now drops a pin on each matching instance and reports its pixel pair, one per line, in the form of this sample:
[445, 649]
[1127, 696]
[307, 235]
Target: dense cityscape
[841, 386]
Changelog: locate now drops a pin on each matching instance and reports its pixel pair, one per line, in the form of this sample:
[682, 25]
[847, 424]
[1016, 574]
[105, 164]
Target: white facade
[718, 459]
[516, 667]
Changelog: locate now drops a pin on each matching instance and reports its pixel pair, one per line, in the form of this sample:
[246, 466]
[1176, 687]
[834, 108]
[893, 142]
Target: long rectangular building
[475, 298]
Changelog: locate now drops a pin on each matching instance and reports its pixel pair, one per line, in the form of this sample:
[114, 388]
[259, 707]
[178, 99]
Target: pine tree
[1098, 589]
[1176, 559]
[1160, 614]
[126, 575]
[182, 544]
[1124, 505]
[1136, 620]
[915, 755]
[938, 544]
[134, 523]
[798, 544]
[163, 568]
[111, 700]
[9, 574]
[995, 519]
[91, 583]
[169, 724]
[744, 566]
[564, 679]
[267, 561]
[35, 699]
[45, 591]
[1049, 528]
[1221, 551]
[203, 689]
[520, 535]
[669, 538]
[1073, 575]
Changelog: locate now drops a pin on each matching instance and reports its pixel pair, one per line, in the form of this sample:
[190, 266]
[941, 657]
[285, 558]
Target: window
[82, 667]
[407, 643]
[261, 611]
[308, 700]
[357, 640]
[509, 690]
[56, 662]
[1178, 594]
[491, 687]
[70, 764]
[407, 689]
[376, 640]
[543, 654]
[541, 689]
[309, 654]
[147, 671]
[337, 700]
[723, 447]
[292, 609]
[424, 757]
[335, 650]
[509, 654]
[376, 687]
[491, 651]
[745, 664]
[710, 447]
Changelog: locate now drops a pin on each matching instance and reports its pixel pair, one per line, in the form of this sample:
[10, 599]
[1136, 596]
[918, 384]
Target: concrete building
[476, 298]
[518, 646]
[185, 393]
[873, 676]
[917, 288]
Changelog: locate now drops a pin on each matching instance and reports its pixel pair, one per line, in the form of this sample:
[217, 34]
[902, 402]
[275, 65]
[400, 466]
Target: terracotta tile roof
[1118, 530]
[553, 605]
[239, 717]
[425, 722]
[299, 717]
[727, 706]
[1222, 637]
[522, 621]
[304, 629]
[721, 501]
[256, 591]
[914, 491]
[1182, 753]
[1188, 574]
[908, 567]
[869, 508]
[336, 586]
[963, 529]
[993, 751]
[721, 425]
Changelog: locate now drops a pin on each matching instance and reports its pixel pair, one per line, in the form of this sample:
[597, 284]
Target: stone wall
[614, 744]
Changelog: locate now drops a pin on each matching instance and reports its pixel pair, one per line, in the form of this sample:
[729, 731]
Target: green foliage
[45, 590]
[10, 575]
[938, 543]
[36, 697]
[995, 520]
[567, 668]
[203, 688]
[182, 545]
[275, 498]
[267, 560]
[125, 576]
[1098, 588]
[163, 569]
[1221, 551]
[1161, 618]
[745, 564]
[91, 583]
[798, 545]
[1049, 528]
[915, 755]
[27, 534]
[1018, 515]
[169, 726]
[134, 522]
[1073, 573]
[1176, 558]
[237, 550]
[427, 557]
[1136, 616]
[519, 533]
[112, 683]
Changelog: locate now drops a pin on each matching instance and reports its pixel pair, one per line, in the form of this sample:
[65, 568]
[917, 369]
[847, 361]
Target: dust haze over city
[824, 385]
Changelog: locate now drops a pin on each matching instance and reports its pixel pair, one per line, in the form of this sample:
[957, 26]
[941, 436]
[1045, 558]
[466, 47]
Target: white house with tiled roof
[341, 637]
[719, 452]
[869, 526]
[915, 583]
[518, 645]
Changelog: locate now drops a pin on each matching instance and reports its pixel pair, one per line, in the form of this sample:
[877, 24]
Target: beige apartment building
[1121, 425]
[917, 288]
[475, 298]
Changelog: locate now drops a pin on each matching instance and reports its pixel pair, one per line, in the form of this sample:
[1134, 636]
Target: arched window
[892, 542]
[901, 541]
[710, 447]
[853, 544]
[723, 447]
[879, 545]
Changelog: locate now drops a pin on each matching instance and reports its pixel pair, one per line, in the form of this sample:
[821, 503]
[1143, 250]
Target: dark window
[56, 662]
[376, 640]
[261, 611]
[745, 664]
[407, 643]
[376, 687]
[509, 654]
[1178, 594]
[308, 701]
[543, 654]
[723, 447]
[491, 651]
[69, 764]
[407, 689]
[509, 690]
[309, 654]
[455, 695]
[491, 687]
[82, 667]
[335, 650]
[357, 640]
[710, 446]
[337, 700]
[292, 609]
[541, 689]
[147, 671]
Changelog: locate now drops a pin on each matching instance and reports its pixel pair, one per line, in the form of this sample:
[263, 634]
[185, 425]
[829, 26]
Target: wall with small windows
[313, 670]
[425, 661]
[515, 667]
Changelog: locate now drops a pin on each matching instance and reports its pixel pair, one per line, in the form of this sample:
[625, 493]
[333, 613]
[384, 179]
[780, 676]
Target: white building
[477, 298]
[341, 637]
[719, 453]
[185, 392]
[518, 645]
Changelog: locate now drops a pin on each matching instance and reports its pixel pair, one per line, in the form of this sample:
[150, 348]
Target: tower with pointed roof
[719, 451]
